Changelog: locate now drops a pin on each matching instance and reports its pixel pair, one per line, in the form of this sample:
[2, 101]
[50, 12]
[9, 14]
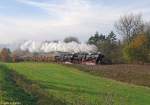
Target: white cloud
[72, 17]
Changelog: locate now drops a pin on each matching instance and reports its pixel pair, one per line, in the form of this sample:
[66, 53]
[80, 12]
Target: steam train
[65, 57]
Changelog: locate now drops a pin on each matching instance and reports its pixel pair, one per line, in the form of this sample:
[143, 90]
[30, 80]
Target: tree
[130, 26]
[137, 50]
[108, 45]
[147, 32]
[111, 37]
[5, 55]
[96, 39]
[71, 39]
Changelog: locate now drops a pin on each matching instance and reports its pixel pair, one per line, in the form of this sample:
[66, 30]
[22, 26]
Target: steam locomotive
[82, 58]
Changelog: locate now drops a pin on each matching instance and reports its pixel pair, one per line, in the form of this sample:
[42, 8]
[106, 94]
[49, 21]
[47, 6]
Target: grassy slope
[78, 87]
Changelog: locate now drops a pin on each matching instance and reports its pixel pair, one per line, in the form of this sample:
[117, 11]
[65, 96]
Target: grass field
[80, 88]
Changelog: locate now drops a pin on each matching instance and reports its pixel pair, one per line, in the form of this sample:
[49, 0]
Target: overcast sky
[56, 19]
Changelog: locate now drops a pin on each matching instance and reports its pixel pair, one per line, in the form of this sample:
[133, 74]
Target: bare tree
[71, 39]
[130, 25]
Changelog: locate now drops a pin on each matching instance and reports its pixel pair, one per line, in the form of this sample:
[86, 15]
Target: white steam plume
[72, 47]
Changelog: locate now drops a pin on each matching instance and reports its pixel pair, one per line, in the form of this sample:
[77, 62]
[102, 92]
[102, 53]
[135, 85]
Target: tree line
[134, 46]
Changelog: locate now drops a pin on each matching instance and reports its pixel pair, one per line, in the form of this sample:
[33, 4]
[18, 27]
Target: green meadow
[70, 85]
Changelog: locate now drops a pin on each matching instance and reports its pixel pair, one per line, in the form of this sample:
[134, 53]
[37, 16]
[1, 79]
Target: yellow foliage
[138, 41]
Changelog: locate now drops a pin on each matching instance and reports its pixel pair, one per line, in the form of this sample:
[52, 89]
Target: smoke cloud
[72, 47]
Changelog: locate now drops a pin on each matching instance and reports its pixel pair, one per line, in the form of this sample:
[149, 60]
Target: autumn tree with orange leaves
[137, 51]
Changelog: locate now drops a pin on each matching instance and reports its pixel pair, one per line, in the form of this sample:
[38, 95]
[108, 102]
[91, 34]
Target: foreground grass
[10, 93]
[79, 88]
